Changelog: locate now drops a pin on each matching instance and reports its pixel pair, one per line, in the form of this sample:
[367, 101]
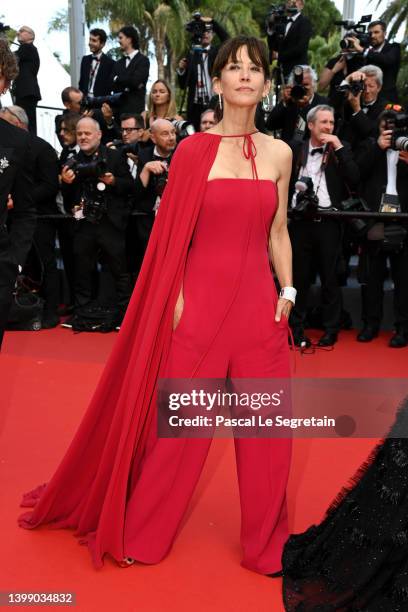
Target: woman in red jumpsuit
[205, 306]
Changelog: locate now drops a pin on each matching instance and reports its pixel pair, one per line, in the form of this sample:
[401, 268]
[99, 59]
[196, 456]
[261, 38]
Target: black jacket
[145, 197]
[103, 82]
[26, 84]
[292, 50]
[341, 172]
[285, 118]
[117, 195]
[372, 162]
[45, 176]
[190, 75]
[16, 179]
[132, 81]
[357, 127]
[388, 59]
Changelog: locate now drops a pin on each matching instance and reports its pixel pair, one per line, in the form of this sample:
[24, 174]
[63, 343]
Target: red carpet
[47, 379]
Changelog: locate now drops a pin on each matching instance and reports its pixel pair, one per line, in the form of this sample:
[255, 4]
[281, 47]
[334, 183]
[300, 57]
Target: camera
[92, 169]
[94, 204]
[132, 147]
[183, 128]
[355, 30]
[92, 102]
[160, 182]
[298, 90]
[4, 28]
[306, 201]
[353, 87]
[398, 123]
[196, 28]
[277, 18]
[355, 204]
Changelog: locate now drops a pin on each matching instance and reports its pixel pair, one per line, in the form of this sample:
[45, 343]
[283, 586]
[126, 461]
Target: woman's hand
[178, 311]
[283, 308]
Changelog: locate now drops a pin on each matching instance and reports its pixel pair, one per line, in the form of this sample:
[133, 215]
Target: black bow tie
[290, 20]
[317, 150]
[158, 158]
[95, 57]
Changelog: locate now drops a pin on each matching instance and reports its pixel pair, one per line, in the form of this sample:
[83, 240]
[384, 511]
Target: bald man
[25, 91]
[151, 177]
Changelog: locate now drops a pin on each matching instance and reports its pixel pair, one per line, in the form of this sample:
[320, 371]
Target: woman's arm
[280, 249]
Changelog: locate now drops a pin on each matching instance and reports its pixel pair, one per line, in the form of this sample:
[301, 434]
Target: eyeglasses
[130, 129]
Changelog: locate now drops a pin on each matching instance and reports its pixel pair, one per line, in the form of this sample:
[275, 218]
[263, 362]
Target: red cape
[90, 488]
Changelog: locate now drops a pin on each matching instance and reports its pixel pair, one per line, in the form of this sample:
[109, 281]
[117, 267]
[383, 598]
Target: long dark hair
[257, 52]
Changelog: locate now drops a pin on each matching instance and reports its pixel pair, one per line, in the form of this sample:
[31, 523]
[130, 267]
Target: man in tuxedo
[383, 54]
[291, 50]
[17, 212]
[152, 169]
[317, 241]
[289, 115]
[194, 72]
[71, 98]
[45, 189]
[130, 74]
[96, 68]
[362, 110]
[102, 211]
[384, 174]
[25, 90]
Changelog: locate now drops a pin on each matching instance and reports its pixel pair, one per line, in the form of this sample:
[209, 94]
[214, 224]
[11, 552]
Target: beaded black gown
[357, 558]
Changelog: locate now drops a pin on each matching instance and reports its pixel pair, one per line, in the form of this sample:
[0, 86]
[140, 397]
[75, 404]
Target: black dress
[357, 558]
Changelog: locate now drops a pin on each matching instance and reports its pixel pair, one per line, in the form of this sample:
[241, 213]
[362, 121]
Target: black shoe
[49, 321]
[367, 334]
[328, 339]
[399, 340]
[301, 340]
[68, 322]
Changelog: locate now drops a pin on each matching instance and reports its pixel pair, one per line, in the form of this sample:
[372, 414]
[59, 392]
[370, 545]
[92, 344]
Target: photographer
[130, 73]
[289, 45]
[334, 73]
[25, 90]
[383, 54]
[325, 165]
[96, 68]
[194, 71]
[131, 129]
[207, 120]
[18, 224]
[298, 97]
[45, 174]
[71, 98]
[100, 180]
[384, 173]
[364, 104]
[152, 174]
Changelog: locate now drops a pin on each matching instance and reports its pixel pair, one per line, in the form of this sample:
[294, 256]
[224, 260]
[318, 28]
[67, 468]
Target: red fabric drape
[89, 490]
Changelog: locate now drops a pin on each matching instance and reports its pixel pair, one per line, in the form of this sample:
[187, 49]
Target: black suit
[15, 238]
[132, 81]
[287, 117]
[26, 92]
[388, 59]
[373, 168]
[45, 174]
[318, 244]
[292, 50]
[190, 76]
[364, 124]
[107, 236]
[103, 82]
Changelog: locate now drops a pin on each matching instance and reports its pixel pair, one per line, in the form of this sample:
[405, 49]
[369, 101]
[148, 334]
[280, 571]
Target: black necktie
[317, 150]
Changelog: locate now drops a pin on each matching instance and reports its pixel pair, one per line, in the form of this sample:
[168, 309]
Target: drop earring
[220, 101]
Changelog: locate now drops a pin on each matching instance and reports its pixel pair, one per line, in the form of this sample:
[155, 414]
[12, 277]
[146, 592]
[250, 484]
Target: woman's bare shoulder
[276, 146]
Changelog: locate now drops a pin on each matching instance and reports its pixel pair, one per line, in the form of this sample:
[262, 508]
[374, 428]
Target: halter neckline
[232, 135]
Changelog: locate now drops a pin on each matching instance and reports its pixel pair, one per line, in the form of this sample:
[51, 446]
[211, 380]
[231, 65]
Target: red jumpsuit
[227, 329]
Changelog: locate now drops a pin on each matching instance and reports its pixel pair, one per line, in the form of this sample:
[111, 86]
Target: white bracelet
[288, 293]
